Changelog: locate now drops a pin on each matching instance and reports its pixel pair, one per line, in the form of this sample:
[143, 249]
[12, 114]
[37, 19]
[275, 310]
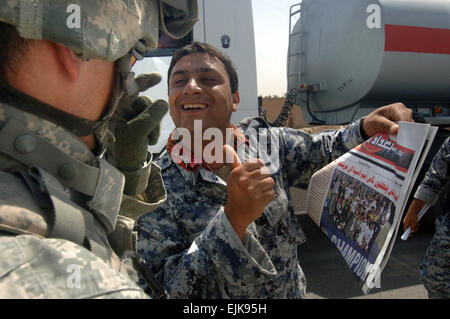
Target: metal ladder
[292, 13]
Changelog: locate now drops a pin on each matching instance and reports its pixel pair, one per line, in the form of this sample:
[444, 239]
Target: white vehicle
[227, 25]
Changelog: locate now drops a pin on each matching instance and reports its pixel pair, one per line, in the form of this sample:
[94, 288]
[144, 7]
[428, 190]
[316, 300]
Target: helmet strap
[125, 84]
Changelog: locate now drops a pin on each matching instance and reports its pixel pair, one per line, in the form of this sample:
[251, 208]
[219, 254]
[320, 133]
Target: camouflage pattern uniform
[36, 159]
[59, 202]
[434, 268]
[191, 246]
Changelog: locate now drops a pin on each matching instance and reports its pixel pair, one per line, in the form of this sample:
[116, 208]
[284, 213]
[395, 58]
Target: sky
[271, 28]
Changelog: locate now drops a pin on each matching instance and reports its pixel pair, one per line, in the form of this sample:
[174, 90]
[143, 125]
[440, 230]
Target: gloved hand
[135, 125]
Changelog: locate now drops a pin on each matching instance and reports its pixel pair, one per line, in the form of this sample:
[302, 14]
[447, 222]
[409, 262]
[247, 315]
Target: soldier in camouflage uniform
[434, 268]
[64, 66]
[228, 231]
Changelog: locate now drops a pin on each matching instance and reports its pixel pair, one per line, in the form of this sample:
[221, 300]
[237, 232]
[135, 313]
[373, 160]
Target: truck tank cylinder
[368, 50]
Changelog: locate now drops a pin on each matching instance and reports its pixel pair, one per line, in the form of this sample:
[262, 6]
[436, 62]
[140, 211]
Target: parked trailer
[348, 57]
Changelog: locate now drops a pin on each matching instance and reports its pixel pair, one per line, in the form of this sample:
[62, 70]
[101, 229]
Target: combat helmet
[113, 30]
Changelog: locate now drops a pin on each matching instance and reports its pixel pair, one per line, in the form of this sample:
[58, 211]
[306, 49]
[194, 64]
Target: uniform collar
[191, 177]
[52, 133]
[195, 163]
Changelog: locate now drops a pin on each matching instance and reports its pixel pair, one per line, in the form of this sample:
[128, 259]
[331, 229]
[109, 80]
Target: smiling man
[227, 230]
[196, 74]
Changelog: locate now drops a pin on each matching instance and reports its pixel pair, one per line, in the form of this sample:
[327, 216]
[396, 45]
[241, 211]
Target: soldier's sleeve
[303, 154]
[133, 206]
[436, 177]
[33, 267]
[213, 264]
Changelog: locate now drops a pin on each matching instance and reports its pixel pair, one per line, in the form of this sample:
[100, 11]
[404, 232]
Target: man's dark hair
[199, 47]
[12, 48]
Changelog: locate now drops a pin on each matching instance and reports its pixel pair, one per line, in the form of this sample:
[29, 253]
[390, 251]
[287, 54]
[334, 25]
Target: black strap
[16, 98]
[152, 283]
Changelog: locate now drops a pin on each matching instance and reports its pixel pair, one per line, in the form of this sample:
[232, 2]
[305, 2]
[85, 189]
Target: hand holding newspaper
[358, 199]
[419, 216]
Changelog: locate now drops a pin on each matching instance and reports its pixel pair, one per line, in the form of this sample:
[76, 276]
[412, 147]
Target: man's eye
[179, 81]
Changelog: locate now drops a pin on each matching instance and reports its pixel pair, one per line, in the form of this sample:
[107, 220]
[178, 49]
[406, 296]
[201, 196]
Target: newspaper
[358, 200]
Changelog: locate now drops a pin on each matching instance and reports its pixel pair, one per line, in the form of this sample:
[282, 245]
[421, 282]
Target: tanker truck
[348, 57]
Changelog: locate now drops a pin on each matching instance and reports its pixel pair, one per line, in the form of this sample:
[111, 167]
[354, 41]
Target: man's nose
[192, 86]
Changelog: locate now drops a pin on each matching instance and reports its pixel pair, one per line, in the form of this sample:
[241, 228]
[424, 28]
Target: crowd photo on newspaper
[359, 213]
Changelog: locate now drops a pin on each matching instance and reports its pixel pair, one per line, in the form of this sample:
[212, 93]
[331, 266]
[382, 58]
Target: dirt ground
[273, 106]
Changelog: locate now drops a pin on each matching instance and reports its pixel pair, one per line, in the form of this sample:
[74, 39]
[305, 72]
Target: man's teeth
[194, 106]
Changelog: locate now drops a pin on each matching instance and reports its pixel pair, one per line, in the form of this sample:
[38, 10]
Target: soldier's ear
[70, 63]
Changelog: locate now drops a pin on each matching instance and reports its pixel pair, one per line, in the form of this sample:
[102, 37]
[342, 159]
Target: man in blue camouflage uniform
[434, 268]
[228, 231]
[64, 66]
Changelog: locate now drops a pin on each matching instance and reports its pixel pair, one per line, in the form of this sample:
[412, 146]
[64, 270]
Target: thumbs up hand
[250, 189]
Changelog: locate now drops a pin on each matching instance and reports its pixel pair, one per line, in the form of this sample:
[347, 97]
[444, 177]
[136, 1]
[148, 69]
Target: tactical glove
[136, 125]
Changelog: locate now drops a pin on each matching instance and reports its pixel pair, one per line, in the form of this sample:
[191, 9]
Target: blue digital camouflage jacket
[191, 246]
[436, 177]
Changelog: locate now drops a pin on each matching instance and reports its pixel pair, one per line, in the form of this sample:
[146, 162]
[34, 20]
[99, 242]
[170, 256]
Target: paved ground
[328, 276]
